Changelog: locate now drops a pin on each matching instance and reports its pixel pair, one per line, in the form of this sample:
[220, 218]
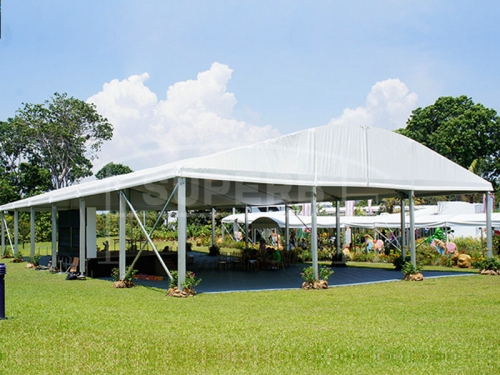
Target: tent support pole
[32, 231]
[54, 236]
[148, 237]
[412, 229]
[4, 225]
[122, 234]
[16, 232]
[314, 234]
[246, 227]
[181, 231]
[403, 227]
[337, 225]
[489, 238]
[213, 226]
[83, 230]
[287, 229]
[143, 246]
[3, 233]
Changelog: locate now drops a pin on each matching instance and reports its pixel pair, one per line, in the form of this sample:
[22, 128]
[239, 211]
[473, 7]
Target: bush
[308, 274]
[189, 282]
[399, 262]
[491, 264]
[129, 276]
[214, 250]
[409, 269]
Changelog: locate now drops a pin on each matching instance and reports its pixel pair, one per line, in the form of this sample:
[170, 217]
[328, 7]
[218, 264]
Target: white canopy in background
[278, 220]
[328, 163]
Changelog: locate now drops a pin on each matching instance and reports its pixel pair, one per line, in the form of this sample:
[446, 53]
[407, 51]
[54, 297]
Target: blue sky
[187, 78]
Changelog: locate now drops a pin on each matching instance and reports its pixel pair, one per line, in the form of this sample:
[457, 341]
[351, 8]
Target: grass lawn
[438, 326]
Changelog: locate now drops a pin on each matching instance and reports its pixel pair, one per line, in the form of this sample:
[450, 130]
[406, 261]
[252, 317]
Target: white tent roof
[341, 161]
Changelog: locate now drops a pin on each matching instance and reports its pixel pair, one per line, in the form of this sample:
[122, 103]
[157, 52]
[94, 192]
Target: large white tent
[329, 163]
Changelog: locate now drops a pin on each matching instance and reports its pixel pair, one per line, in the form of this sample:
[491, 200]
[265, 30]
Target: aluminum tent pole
[148, 237]
[122, 233]
[489, 238]
[181, 231]
[337, 225]
[4, 222]
[83, 230]
[32, 231]
[54, 236]
[314, 234]
[287, 229]
[16, 232]
[143, 246]
[412, 229]
[3, 232]
[246, 227]
[213, 226]
[403, 227]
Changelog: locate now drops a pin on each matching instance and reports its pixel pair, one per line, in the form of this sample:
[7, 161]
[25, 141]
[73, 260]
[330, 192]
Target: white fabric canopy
[343, 162]
[277, 219]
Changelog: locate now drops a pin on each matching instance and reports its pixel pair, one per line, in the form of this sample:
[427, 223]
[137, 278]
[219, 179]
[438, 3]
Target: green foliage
[491, 264]
[399, 261]
[62, 135]
[363, 256]
[308, 274]
[214, 250]
[190, 280]
[129, 276]
[409, 269]
[325, 273]
[112, 169]
[35, 259]
[460, 130]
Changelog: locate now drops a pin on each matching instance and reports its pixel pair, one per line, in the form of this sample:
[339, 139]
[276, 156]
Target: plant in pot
[488, 266]
[188, 285]
[34, 261]
[310, 281]
[127, 282]
[412, 272]
[18, 258]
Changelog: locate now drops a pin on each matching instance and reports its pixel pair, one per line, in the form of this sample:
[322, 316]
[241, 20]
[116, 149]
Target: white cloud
[388, 105]
[195, 119]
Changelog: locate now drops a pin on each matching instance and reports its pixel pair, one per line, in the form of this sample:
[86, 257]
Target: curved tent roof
[341, 161]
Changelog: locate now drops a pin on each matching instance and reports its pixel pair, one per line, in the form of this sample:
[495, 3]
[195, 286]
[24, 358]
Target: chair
[74, 265]
[236, 260]
[222, 262]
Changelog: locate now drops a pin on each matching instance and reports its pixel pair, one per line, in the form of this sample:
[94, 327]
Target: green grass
[438, 326]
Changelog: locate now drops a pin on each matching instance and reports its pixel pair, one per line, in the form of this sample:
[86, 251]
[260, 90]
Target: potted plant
[187, 286]
[127, 282]
[412, 272]
[18, 258]
[34, 261]
[310, 282]
[488, 266]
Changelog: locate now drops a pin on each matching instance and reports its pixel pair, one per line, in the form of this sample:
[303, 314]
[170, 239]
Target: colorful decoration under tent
[372, 244]
[439, 234]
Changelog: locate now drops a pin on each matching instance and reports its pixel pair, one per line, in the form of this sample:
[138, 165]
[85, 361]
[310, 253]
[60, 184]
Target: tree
[112, 169]
[462, 131]
[63, 136]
